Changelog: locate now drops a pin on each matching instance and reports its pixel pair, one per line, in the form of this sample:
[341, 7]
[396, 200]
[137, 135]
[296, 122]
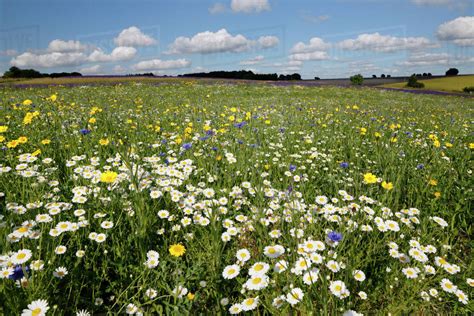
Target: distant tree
[15, 72]
[452, 72]
[382, 76]
[357, 79]
[429, 74]
[389, 76]
[425, 74]
[418, 75]
[374, 76]
[413, 82]
[317, 78]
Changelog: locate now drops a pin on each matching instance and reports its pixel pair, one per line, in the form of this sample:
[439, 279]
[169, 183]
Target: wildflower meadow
[215, 199]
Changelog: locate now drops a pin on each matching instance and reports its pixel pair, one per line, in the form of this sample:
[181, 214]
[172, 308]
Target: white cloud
[268, 41]
[217, 8]
[61, 46]
[315, 44]
[119, 69]
[385, 43]
[158, 64]
[134, 37]
[460, 31]
[210, 42]
[90, 70]
[250, 6]
[252, 61]
[48, 60]
[318, 55]
[314, 18]
[8, 52]
[118, 54]
[429, 59]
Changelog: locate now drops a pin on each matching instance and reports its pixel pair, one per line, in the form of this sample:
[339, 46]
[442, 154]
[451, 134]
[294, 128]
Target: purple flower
[335, 236]
[420, 166]
[240, 125]
[344, 164]
[18, 272]
[292, 168]
[187, 146]
[85, 131]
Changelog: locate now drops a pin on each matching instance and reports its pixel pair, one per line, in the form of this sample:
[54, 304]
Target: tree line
[242, 74]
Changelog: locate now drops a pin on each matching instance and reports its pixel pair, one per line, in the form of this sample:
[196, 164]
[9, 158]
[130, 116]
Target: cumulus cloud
[250, 6]
[460, 31]
[210, 42]
[134, 37]
[217, 8]
[61, 46]
[385, 43]
[315, 44]
[428, 59]
[48, 60]
[118, 54]
[319, 55]
[268, 41]
[158, 64]
[90, 70]
[252, 61]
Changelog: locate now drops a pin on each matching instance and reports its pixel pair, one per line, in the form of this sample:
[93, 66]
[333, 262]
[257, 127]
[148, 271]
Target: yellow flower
[267, 167]
[22, 139]
[190, 296]
[53, 97]
[437, 194]
[92, 120]
[27, 102]
[177, 250]
[233, 110]
[13, 143]
[3, 128]
[104, 141]
[436, 143]
[219, 158]
[36, 152]
[178, 140]
[387, 185]
[267, 122]
[433, 182]
[2, 139]
[108, 177]
[378, 135]
[45, 141]
[393, 140]
[231, 118]
[370, 178]
[448, 145]
[471, 145]
[363, 130]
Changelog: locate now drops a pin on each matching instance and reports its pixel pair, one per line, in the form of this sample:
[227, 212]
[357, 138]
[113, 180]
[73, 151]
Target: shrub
[357, 79]
[468, 89]
[413, 82]
[452, 72]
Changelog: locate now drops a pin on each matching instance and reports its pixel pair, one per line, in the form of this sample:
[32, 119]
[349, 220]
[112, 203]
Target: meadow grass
[214, 199]
[449, 84]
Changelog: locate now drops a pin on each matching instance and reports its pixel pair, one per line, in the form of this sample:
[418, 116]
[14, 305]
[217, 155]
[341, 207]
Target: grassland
[190, 198]
[447, 84]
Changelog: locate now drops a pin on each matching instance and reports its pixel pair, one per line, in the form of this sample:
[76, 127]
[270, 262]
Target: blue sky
[324, 38]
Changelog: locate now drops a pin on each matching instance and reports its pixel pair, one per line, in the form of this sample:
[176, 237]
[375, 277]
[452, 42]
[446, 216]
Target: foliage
[468, 89]
[452, 72]
[413, 82]
[357, 79]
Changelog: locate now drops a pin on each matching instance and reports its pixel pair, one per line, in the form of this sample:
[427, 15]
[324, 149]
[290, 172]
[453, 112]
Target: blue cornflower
[420, 166]
[335, 236]
[240, 125]
[85, 131]
[18, 272]
[292, 168]
[187, 146]
[344, 164]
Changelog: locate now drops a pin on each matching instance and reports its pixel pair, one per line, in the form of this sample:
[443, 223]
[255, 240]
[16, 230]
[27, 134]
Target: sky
[325, 38]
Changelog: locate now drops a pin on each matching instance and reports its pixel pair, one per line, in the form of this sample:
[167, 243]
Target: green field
[190, 198]
[448, 84]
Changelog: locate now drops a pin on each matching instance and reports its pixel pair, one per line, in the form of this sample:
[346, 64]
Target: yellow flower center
[36, 311]
[21, 256]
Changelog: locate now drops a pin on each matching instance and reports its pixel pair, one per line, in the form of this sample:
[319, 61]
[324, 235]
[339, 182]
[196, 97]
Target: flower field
[189, 198]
